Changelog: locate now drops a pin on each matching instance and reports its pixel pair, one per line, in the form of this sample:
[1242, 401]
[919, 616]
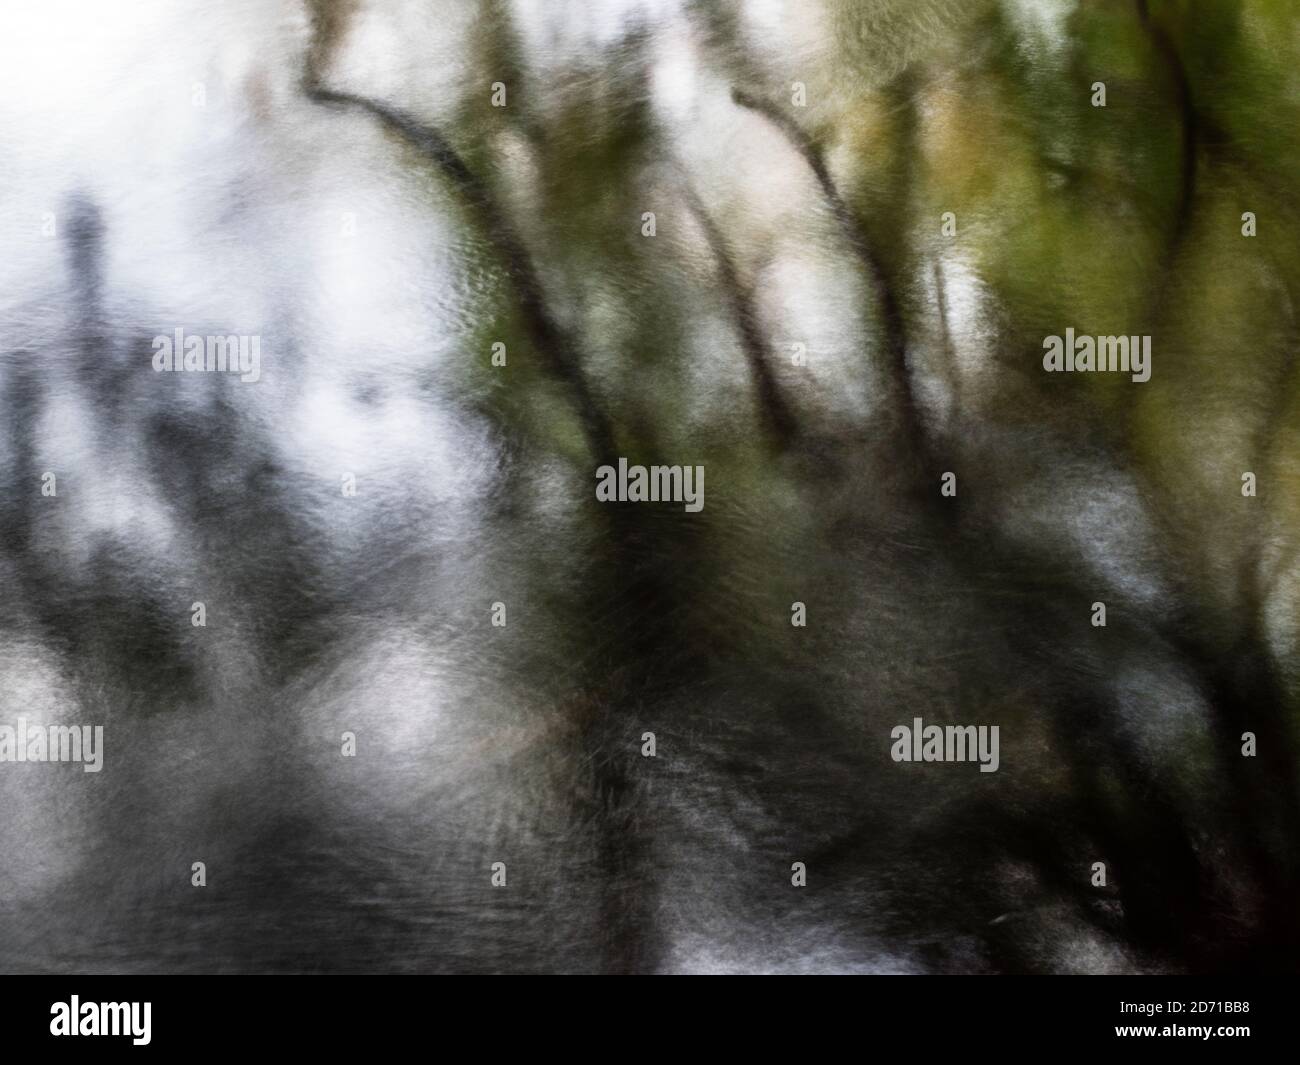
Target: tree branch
[890, 307]
[776, 412]
[550, 340]
[1188, 124]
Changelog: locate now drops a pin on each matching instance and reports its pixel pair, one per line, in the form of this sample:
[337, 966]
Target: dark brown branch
[545, 333]
[776, 412]
[1188, 123]
[890, 307]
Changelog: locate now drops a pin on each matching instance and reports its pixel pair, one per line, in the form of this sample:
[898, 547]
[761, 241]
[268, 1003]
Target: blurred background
[867, 217]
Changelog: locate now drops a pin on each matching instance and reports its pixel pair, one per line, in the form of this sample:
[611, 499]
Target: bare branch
[890, 307]
[550, 340]
[776, 412]
[1188, 123]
